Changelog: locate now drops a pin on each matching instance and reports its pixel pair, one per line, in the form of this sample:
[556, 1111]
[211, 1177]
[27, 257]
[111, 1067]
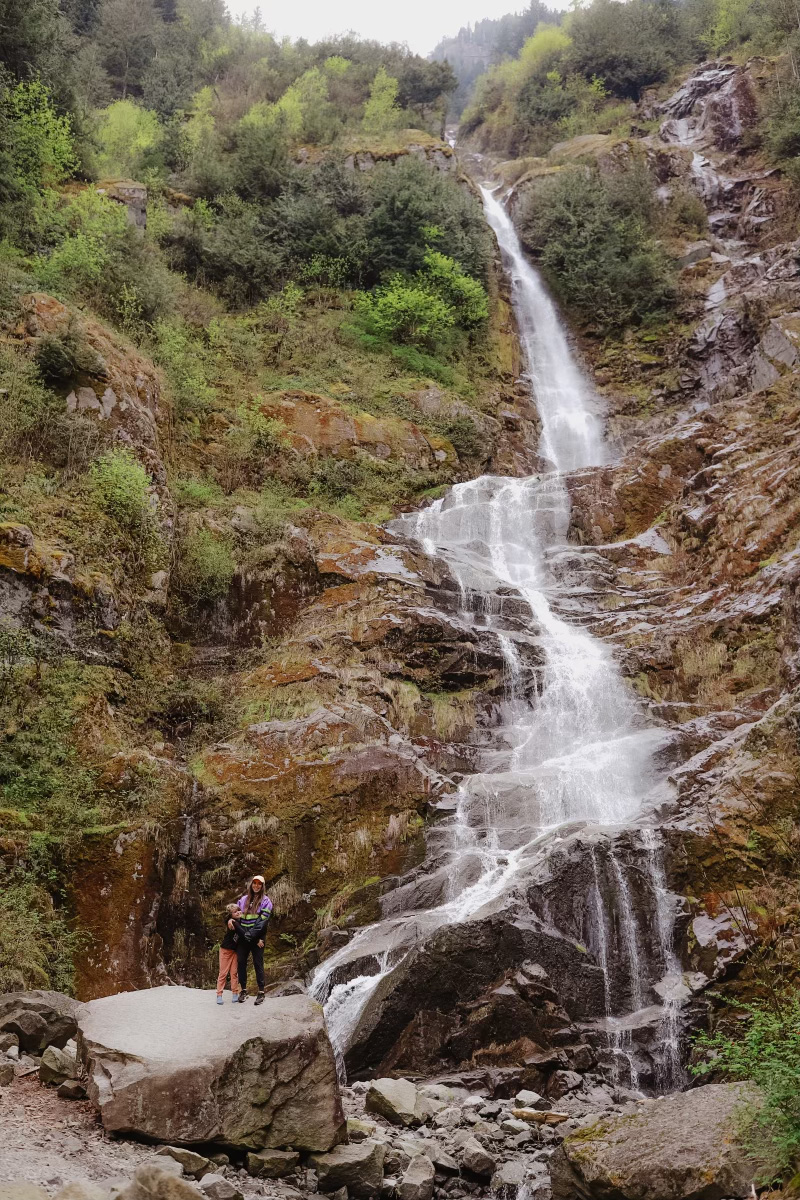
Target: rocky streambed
[222, 1127]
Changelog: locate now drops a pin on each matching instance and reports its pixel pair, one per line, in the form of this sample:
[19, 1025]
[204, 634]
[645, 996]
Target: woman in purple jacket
[255, 907]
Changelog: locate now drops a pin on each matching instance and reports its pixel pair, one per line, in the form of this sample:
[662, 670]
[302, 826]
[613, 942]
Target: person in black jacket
[255, 910]
[228, 960]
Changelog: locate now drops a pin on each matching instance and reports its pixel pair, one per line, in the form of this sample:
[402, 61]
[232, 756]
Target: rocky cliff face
[685, 561]
[370, 697]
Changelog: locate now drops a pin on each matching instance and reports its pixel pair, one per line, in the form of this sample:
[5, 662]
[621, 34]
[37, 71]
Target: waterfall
[576, 751]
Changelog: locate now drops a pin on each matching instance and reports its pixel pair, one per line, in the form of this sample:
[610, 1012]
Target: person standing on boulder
[255, 907]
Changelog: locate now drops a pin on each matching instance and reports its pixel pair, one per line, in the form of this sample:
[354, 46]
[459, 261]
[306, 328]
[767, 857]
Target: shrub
[85, 233]
[686, 212]
[783, 125]
[405, 312]
[336, 478]
[62, 357]
[766, 1051]
[130, 139]
[593, 238]
[36, 946]
[465, 295]
[121, 488]
[180, 351]
[26, 407]
[467, 439]
[205, 567]
[196, 493]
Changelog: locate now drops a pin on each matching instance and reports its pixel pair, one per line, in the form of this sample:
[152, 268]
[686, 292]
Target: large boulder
[682, 1147]
[39, 1018]
[168, 1064]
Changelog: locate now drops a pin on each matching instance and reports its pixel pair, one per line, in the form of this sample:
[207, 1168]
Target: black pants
[243, 948]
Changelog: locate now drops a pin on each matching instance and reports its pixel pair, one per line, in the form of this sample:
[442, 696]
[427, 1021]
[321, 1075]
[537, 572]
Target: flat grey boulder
[359, 1168]
[271, 1164]
[682, 1147]
[192, 1163]
[169, 1064]
[397, 1100]
[217, 1187]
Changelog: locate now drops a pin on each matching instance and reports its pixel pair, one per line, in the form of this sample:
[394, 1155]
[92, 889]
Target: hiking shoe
[242, 997]
[220, 999]
[260, 998]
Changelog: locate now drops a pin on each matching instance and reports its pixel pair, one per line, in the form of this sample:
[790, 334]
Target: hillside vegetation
[579, 73]
[246, 310]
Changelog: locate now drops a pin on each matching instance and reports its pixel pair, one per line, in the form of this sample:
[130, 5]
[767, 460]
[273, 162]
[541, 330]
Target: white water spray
[579, 751]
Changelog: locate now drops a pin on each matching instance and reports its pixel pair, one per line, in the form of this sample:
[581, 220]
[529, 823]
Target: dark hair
[253, 900]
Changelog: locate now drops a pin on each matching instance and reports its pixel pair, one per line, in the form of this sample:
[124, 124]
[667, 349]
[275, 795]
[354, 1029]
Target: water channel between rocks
[573, 757]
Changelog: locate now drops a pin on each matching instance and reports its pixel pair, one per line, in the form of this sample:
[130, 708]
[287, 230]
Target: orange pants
[227, 962]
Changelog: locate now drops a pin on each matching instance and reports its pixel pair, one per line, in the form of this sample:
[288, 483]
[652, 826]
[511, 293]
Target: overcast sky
[420, 23]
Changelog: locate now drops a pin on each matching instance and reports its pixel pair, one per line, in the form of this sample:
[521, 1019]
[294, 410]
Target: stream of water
[578, 751]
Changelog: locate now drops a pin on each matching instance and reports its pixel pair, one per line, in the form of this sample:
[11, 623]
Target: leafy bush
[196, 493]
[120, 486]
[465, 295]
[405, 312]
[36, 946]
[182, 354]
[783, 124]
[413, 205]
[423, 311]
[204, 568]
[593, 237]
[766, 1051]
[130, 139]
[465, 436]
[62, 357]
[26, 407]
[628, 46]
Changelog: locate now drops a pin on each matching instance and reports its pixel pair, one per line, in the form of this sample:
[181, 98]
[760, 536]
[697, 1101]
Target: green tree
[628, 46]
[405, 312]
[33, 38]
[130, 138]
[381, 112]
[38, 139]
[128, 35]
[410, 201]
[593, 238]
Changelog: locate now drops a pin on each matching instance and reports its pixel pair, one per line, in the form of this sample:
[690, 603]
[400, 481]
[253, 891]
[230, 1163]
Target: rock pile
[443, 1141]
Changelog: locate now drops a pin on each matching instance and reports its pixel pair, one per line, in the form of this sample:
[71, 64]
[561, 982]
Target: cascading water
[578, 752]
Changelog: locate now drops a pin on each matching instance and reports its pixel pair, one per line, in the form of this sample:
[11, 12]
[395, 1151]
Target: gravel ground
[50, 1141]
